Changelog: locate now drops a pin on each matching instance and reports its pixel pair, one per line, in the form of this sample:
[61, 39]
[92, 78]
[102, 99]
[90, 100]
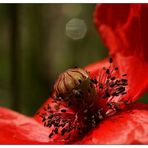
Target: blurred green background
[34, 49]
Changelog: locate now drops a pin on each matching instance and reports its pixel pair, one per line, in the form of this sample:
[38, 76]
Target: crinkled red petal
[16, 128]
[128, 127]
[124, 28]
[124, 31]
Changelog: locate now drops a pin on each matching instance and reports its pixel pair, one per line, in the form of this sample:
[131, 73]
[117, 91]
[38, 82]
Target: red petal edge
[127, 127]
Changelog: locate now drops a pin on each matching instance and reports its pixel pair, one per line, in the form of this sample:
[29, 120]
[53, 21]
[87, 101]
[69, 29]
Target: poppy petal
[124, 31]
[123, 28]
[127, 127]
[16, 128]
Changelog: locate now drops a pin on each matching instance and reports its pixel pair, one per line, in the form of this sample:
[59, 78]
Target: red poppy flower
[112, 118]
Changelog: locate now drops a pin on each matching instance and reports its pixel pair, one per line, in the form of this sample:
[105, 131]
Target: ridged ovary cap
[69, 80]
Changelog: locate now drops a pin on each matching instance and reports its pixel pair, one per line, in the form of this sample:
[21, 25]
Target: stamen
[63, 110]
[43, 119]
[108, 71]
[82, 91]
[124, 75]
[50, 116]
[110, 60]
[56, 130]
[113, 78]
[50, 135]
[116, 68]
[94, 81]
[63, 131]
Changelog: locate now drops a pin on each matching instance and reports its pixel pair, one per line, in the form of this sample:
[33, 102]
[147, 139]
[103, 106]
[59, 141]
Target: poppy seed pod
[69, 80]
[76, 88]
[78, 92]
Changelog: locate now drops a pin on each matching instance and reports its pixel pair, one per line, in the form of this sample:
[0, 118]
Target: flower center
[75, 106]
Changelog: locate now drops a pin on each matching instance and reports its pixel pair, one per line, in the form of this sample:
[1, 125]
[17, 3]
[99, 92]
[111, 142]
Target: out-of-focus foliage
[34, 49]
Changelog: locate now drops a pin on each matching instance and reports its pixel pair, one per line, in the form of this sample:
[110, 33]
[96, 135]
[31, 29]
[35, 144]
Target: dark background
[34, 49]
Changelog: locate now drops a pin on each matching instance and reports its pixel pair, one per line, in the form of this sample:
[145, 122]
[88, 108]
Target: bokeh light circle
[76, 29]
